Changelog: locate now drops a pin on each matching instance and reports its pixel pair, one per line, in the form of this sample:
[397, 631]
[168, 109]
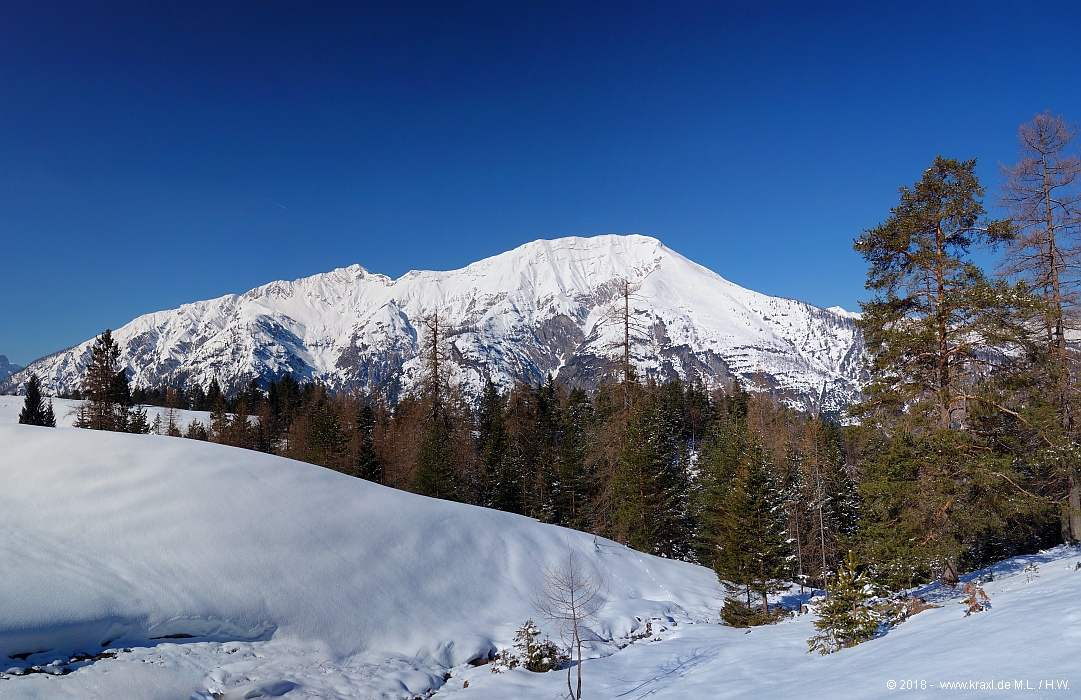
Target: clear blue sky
[153, 154]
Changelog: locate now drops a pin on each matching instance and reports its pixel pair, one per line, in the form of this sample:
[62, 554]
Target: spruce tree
[105, 386]
[35, 410]
[744, 523]
[435, 474]
[499, 486]
[327, 440]
[573, 507]
[649, 485]
[846, 617]
[368, 465]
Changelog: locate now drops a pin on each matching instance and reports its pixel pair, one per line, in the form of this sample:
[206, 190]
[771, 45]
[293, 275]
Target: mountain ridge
[521, 315]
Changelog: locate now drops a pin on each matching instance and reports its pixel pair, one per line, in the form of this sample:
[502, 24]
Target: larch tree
[435, 474]
[570, 599]
[1042, 193]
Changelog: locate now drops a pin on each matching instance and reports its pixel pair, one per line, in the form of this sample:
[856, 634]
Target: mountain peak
[542, 308]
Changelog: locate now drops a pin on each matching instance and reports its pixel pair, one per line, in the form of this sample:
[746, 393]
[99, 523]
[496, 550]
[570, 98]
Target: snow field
[182, 550]
[11, 406]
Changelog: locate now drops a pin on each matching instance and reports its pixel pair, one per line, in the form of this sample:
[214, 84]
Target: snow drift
[116, 540]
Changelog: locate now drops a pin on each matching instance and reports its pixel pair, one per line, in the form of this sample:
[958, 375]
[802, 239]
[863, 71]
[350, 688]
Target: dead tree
[570, 599]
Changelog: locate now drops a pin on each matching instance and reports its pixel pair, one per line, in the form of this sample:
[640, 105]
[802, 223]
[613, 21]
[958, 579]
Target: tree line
[964, 451]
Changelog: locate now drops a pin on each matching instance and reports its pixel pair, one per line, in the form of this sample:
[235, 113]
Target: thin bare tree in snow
[570, 599]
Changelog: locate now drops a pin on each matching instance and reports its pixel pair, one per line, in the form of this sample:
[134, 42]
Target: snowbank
[115, 540]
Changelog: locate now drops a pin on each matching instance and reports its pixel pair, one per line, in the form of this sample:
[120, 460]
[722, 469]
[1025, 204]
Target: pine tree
[845, 616]
[35, 410]
[937, 324]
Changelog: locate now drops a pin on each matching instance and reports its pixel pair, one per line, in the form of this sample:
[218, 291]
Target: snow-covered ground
[64, 409]
[223, 568]
[206, 571]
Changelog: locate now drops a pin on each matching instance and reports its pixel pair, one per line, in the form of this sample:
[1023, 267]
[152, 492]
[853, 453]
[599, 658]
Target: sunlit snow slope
[521, 315]
[113, 540]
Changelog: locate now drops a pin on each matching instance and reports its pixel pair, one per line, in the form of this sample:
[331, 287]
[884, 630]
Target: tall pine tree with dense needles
[937, 324]
[105, 386]
[943, 340]
[35, 410]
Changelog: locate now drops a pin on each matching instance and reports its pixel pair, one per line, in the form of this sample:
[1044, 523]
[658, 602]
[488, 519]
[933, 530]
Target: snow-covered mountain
[7, 367]
[544, 307]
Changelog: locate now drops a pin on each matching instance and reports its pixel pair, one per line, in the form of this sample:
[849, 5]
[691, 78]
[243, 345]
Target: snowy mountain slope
[313, 579]
[538, 309]
[7, 367]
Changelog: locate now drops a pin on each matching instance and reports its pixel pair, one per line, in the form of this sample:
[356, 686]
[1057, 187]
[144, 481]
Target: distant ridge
[7, 367]
[519, 316]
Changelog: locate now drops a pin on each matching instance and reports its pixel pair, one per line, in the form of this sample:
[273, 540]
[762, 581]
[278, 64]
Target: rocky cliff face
[543, 308]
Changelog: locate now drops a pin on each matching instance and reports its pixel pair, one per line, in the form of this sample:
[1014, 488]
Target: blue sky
[153, 154]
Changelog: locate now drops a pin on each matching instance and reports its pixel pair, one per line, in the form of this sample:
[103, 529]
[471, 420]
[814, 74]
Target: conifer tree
[576, 475]
[1042, 193]
[326, 436]
[936, 323]
[105, 386]
[499, 479]
[35, 410]
[368, 465]
[436, 475]
[649, 485]
[744, 523]
[845, 616]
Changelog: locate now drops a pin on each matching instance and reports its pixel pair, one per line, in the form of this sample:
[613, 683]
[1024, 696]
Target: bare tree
[436, 356]
[570, 599]
[1042, 195]
[619, 314]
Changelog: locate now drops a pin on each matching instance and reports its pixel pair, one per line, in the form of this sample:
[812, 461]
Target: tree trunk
[1073, 515]
[949, 573]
